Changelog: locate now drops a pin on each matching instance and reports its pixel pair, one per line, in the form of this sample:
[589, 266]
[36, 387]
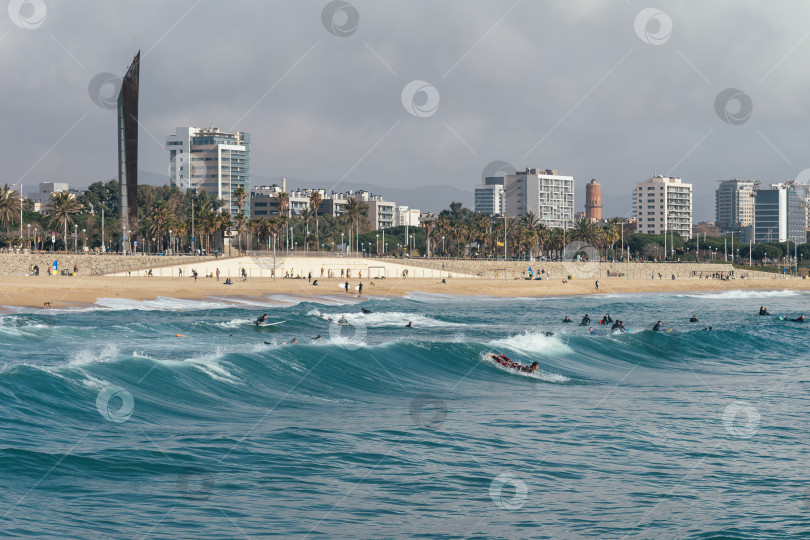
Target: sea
[174, 418]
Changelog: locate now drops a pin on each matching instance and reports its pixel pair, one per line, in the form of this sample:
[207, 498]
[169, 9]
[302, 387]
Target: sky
[413, 94]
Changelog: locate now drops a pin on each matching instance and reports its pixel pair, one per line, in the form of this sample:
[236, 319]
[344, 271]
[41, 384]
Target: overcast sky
[608, 90]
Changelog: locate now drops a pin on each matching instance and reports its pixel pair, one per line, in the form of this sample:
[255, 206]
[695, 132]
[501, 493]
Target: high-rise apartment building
[547, 194]
[489, 198]
[734, 204]
[779, 215]
[593, 200]
[210, 160]
[662, 204]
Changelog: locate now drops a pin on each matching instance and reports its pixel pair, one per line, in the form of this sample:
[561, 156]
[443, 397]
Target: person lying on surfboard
[506, 362]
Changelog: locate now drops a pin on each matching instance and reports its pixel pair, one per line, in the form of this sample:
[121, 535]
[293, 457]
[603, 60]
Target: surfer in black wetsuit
[409, 325]
[657, 327]
[261, 319]
[366, 311]
[567, 320]
[800, 318]
[606, 319]
[763, 310]
[693, 319]
[708, 328]
[342, 321]
[618, 326]
[585, 320]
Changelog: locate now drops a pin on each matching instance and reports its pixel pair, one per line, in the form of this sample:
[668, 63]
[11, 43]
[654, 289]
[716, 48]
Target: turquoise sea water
[113, 427]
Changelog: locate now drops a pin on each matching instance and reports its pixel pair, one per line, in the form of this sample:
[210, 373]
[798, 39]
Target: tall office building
[489, 196]
[128, 149]
[779, 215]
[593, 200]
[210, 160]
[662, 204]
[545, 193]
[734, 204]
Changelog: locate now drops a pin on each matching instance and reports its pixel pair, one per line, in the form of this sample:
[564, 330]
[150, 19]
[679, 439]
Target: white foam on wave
[211, 364]
[393, 319]
[161, 303]
[533, 342]
[738, 294]
[235, 323]
[100, 355]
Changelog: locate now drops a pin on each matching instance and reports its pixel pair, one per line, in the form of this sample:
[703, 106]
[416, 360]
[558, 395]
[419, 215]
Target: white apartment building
[734, 203]
[407, 216]
[662, 204]
[210, 160]
[381, 213]
[549, 195]
[489, 197]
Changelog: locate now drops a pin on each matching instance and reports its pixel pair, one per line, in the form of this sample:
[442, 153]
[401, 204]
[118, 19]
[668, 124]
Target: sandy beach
[66, 291]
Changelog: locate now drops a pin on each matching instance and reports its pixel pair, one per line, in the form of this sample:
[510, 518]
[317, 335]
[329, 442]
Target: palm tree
[530, 224]
[315, 202]
[240, 219]
[353, 210]
[585, 230]
[10, 204]
[62, 207]
[459, 231]
[157, 220]
[306, 217]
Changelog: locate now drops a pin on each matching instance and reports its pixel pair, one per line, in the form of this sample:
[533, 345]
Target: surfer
[506, 362]
[567, 320]
[708, 328]
[409, 325]
[585, 320]
[618, 326]
[591, 330]
[261, 319]
[347, 286]
[360, 288]
[657, 327]
[763, 310]
[342, 321]
[317, 338]
[800, 318]
[606, 319]
[693, 319]
[366, 311]
[293, 341]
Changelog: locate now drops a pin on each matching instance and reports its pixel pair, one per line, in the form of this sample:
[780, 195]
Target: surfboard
[342, 286]
[274, 323]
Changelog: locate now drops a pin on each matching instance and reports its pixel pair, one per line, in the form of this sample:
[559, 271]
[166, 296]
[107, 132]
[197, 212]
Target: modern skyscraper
[489, 196]
[734, 204]
[778, 215]
[662, 204]
[545, 193]
[593, 200]
[128, 149]
[210, 160]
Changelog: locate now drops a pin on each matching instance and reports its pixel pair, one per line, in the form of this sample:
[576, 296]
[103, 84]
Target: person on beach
[585, 320]
[346, 286]
[309, 277]
[657, 327]
[597, 284]
[693, 319]
[360, 288]
[567, 320]
[75, 269]
[244, 274]
[763, 310]
[217, 274]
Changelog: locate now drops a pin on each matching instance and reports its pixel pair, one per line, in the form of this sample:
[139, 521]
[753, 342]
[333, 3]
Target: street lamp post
[378, 245]
[84, 233]
[342, 245]
[444, 254]
[29, 237]
[75, 238]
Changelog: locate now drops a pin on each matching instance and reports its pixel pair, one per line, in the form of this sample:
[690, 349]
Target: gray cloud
[574, 74]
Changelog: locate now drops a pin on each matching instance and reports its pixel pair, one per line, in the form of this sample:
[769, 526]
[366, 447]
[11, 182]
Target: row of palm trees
[523, 237]
[61, 209]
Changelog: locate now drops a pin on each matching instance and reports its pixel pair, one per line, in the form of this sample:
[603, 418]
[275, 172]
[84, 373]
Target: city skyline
[624, 91]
